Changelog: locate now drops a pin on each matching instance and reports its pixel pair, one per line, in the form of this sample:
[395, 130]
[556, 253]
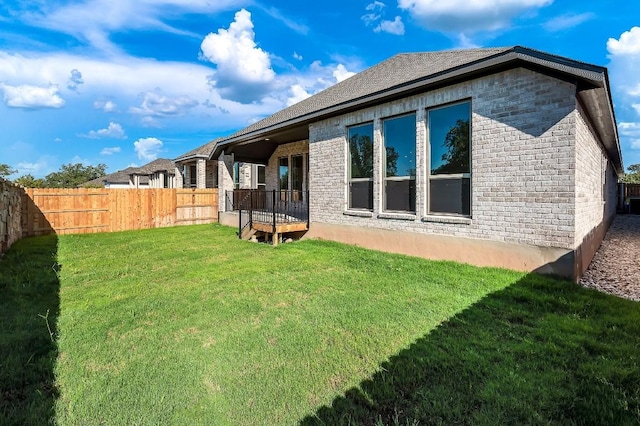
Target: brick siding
[523, 161]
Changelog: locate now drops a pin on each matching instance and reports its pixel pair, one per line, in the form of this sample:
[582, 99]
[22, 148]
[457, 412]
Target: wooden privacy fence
[88, 210]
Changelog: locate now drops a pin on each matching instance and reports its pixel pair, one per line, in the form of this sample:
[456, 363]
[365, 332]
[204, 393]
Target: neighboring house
[159, 173]
[505, 157]
[198, 170]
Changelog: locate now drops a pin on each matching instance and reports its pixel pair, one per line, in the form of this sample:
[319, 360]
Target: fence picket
[88, 210]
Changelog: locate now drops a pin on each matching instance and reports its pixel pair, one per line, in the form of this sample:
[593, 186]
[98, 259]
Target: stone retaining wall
[10, 214]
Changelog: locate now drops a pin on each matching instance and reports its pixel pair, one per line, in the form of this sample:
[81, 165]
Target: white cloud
[375, 12]
[464, 16]
[110, 151]
[75, 80]
[32, 97]
[624, 54]
[148, 149]
[376, 5]
[298, 93]
[567, 21]
[156, 104]
[106, 106]
[628, 44]
[297, 56]
[114, 130]
[625, 62]
[293, 24]
[244, 71]
[341, 73]
[629, 129]
[465, 42]
[94, 20]
[39, 168]
[318, 77]
[392, 27]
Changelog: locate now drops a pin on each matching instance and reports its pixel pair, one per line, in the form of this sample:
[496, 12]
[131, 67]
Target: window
[296, 177]
[236, 175]
[283, 173]
[400, 163]
[450, 143]
[361, 167]
[193, 175]
[261, 180]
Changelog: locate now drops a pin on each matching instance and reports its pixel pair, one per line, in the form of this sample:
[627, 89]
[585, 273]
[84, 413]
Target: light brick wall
[523, 157]
[225, 179]
[245, 175]
[201, 170]
[179, 182]
[286, 150]
[596, 182]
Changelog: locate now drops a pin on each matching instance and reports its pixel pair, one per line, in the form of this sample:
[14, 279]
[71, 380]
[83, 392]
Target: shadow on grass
[539, 352]
[29, 306]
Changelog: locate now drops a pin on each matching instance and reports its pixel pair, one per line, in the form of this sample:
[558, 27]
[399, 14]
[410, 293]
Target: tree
[456, 157]
[6, 170]
[28, 181]
[361, 156]
[72, 175]
[392, 161]
[633, 175]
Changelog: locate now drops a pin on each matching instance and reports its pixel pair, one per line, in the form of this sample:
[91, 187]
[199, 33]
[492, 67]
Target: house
[502, 157]
[198, 169]
[159, 173]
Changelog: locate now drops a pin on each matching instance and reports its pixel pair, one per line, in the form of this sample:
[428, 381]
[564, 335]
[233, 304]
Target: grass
[189, 325]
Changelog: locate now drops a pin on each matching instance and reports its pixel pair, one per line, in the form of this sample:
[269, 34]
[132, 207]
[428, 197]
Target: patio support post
[225, 179]
[179, 183]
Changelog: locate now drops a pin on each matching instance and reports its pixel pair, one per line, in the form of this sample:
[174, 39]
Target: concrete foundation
[520, 257]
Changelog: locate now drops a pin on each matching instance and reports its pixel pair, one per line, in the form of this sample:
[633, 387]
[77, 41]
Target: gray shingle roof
[414, 71]
[202, 151]
[122, 176]
[157, 165]
[395, 71]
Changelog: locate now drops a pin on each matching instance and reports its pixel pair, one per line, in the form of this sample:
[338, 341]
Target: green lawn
[189, 325]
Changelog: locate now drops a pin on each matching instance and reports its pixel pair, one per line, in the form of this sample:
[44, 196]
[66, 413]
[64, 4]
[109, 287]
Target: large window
[297, 173]
[399, 135]
[261, 178]
[283, 173]
[193, 175]
[361, 167]
[450, 144]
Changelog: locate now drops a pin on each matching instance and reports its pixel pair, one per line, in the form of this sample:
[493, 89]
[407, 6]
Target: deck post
[308, 210]
[250, 208]
[274, 211]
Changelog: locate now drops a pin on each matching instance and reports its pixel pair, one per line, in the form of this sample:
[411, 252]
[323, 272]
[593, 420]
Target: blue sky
[124, 82]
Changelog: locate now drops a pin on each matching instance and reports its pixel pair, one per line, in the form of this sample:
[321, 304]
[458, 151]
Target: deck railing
[274, 207]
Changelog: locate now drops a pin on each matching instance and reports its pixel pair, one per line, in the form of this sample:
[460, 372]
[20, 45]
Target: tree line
[69, 176]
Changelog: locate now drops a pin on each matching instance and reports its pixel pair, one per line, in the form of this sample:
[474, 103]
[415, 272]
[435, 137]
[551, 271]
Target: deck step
[247, 233]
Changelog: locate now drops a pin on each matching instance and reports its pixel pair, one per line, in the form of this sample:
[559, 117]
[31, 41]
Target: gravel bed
[615, 269]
